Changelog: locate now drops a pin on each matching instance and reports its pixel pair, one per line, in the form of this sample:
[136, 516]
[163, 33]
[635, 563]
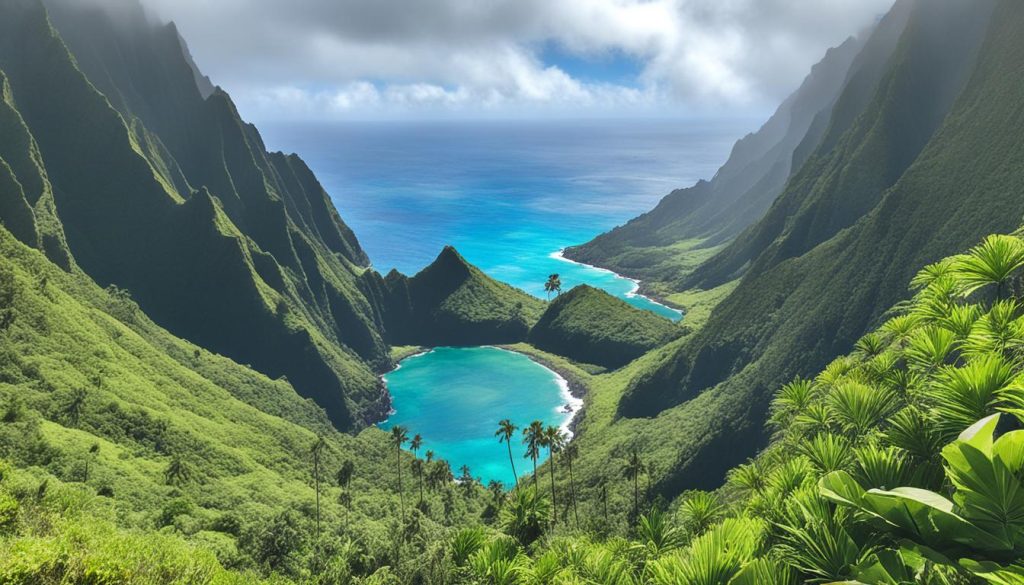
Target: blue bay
[455, 397]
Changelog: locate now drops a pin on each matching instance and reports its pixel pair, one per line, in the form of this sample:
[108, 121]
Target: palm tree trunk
[401, 494]
[554, 506]
[420, 474]
[535, 473]
[572, 494]
[512, 461]
[636, 496]
[316, 472]
[604, 498]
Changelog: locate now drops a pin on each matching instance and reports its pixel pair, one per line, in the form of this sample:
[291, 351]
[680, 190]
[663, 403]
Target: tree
[466, 481]
[533, 438]
[345, 474]
[992, 262]
[94, 451]
[399, 436]
[178, 472]
[525, 515]
[417, 465]
[504, 433]
[317, 451]
[497, 491]
[632, 470]
[553, 285]
[568, 454]
[76, 405]
[554, 441]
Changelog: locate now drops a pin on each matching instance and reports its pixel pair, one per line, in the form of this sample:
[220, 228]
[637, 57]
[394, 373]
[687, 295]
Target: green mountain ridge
[591, 326]
[267, 274]
[451, 302]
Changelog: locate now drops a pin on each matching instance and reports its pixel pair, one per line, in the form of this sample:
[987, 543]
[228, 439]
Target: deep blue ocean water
[508, 195]
[477, 386]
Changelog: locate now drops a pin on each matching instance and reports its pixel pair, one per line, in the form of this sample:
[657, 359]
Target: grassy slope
[770, 328]
[589, 325]
[150, 398]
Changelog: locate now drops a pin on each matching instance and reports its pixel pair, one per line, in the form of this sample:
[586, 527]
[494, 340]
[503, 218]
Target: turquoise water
[455, 397]
[508, 195]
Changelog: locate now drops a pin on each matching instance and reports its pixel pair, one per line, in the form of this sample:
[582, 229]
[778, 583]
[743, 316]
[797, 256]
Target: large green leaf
[988, 493]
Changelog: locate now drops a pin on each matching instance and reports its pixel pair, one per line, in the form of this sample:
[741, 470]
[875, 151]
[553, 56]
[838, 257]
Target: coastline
[637, 284]
[572, 388]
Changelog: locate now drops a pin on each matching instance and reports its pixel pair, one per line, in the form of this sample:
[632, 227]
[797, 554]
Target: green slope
[795, 317]
[81, 366]
[172, 197]
[589, 325]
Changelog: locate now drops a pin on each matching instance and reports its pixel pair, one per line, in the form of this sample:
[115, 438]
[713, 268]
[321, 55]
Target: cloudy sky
[401, 58]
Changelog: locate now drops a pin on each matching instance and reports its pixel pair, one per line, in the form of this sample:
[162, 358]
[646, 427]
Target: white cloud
[382, 57]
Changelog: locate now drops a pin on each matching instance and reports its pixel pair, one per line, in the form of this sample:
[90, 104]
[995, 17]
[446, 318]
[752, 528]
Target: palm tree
[568, 454]
[317, 451]
[992, 262]
[177, 472]
[533, 438]
[504, 433]
[553, 285]
[632, 470]
[554, 441]
[76, 405]
[414, 446]
[399, 436]
[344, 477]
[466, 481]
[497, 491]
[94, 450]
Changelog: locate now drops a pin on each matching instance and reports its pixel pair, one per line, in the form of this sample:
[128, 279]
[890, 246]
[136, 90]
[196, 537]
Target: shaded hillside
[795, 317]
[713, 212]
[172, 197]
[589, 325]
[863, 155]
[451, 302]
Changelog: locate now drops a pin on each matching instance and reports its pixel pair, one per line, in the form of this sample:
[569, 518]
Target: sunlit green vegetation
[591, 326]
[897, 464]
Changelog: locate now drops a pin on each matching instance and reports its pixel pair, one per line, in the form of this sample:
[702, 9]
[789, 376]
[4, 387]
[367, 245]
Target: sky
[373, 59]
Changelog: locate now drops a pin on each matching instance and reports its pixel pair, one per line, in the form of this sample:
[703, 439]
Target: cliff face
[165, 192]
[714, 212]
[930, 167]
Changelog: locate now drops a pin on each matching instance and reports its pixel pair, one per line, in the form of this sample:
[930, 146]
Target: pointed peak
[450, 258]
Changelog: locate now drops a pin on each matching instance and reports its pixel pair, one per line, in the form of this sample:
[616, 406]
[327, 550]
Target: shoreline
[637, 284]
[571, 390]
